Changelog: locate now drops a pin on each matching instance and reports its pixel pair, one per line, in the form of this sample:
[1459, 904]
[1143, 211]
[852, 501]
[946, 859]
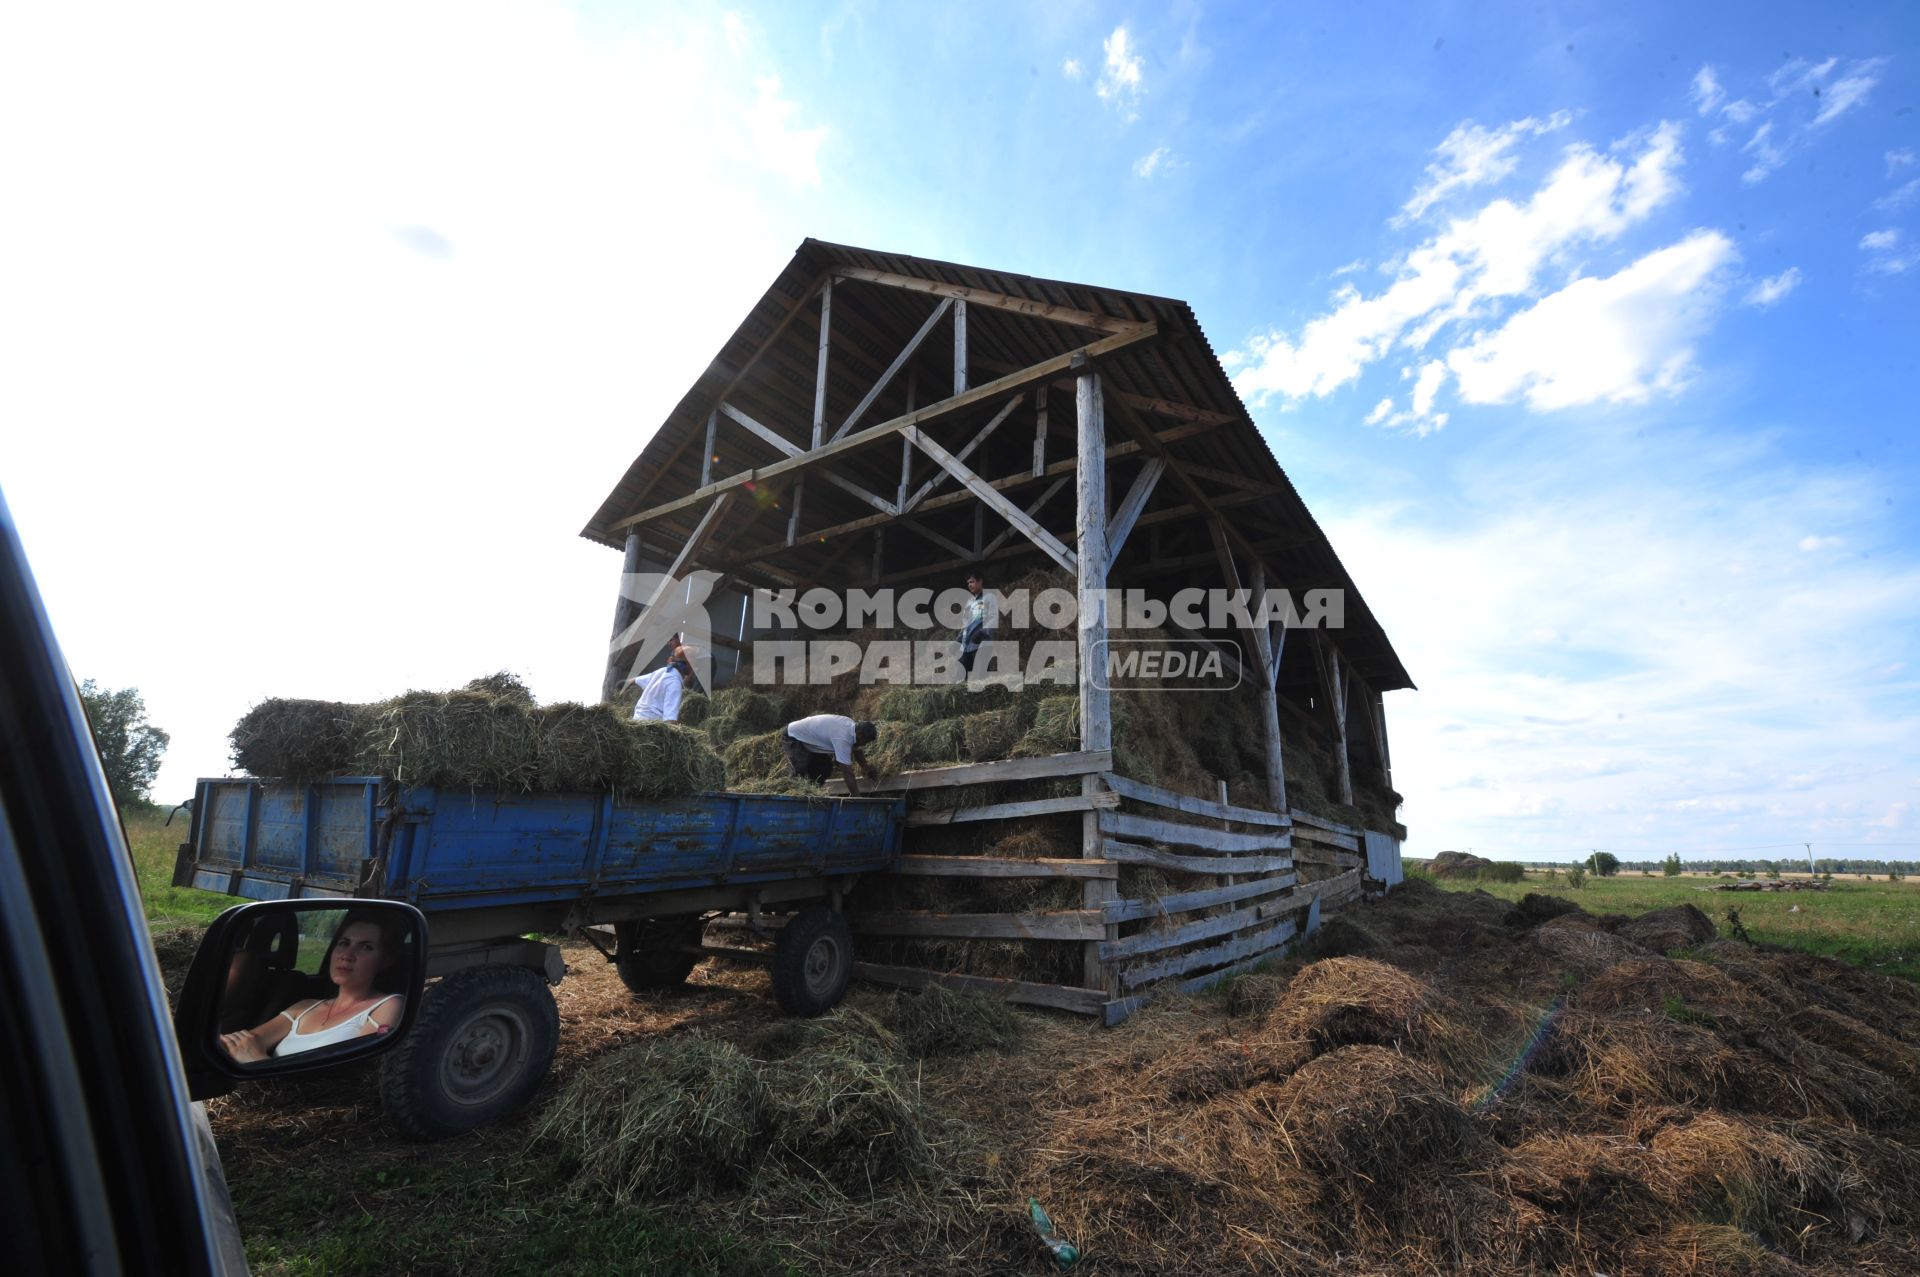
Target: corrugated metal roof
[871, 323]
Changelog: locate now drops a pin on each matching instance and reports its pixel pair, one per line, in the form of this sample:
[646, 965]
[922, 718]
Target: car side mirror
[297, 986]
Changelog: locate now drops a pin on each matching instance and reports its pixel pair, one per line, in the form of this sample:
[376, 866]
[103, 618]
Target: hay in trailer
[502, 685]
[661, 1118]
[453, 739]
[738, 712]
[592, 747]
[294, 739]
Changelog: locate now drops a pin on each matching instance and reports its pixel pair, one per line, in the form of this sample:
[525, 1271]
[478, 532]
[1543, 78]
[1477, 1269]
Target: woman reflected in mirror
[364, 957]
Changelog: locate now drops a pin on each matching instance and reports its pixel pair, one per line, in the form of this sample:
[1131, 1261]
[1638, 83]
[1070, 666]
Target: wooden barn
[887, 421]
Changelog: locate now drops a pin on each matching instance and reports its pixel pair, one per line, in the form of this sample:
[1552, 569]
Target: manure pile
[487, 735]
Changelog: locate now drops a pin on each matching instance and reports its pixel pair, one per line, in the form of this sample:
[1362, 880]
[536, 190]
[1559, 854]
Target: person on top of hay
[661, 690]
[815, 744]
[983, 618]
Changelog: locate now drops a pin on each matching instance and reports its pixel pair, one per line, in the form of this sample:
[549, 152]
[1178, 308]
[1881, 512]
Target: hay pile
[487, 735]
[833, 1101]
[1495, 1109]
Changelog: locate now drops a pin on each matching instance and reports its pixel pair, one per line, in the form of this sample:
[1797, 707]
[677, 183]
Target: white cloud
[1773, 288]
[1120, 80]
[1899, 197]
[1155, 161]
[1893, 263]
[1473, 156]
[735, 29]
[1427, 387]
[1478, 261]
[1614, 340]
[1706, 92]
[1072, 69]
[1802, 96]
[1880, 241]
[1902, 158]
[1809, 544]
[1849, 91]
[1380, 411]
[792, 152]
[1766, 156]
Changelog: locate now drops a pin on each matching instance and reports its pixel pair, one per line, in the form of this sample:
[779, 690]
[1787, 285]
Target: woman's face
[358, 954]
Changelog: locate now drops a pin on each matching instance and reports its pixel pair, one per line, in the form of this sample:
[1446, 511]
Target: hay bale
[1739, 1173]
[756, 758]
[695, 707]
[288, 738]
[989, 735]
[1459, 864]
[1663, 930]
[851, 1114]
[937, 1021]
[454, 739]
[738, 712]
[660, 1118]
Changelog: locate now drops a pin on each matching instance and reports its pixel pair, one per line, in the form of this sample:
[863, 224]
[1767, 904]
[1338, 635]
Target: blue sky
[1587, 331]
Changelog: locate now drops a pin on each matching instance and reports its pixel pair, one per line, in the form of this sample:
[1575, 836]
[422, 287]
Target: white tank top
[345, 1031]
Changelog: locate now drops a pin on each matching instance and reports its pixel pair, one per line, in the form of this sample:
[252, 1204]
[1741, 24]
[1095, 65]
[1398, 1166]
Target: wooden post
[1096, 708]
[1041, 395]
[879, 552]
[1267, 663]
[706, 458]
[960, 347]
[820, 372]
[624, 609]
[1337, 702]
[793, 515]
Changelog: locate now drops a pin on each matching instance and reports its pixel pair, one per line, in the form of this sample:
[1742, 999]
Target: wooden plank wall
[1242, 879]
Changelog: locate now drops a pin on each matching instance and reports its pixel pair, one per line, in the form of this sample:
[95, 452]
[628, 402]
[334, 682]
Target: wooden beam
[1001, 506]
[1070, 924]
[778, 441]
[1144, 793]
[1033, 512]
[1309, 825]
[1040, 431]
[1014, 811]
[999, 867]
[1090, 506]
[1025, 993]
[1045, 767]
[1258, 942]
[624, 610]
[994, 301]
[701, 532]
[1133, 854]
[979, 438]
[899, 361]
[939, 539]
[1186, 901]
[1178, 411]
[706, 458]
[1007, 484]
[1134, 502]
[1173, 833]
[1337, 886]
[1198, 929]
[873, 434]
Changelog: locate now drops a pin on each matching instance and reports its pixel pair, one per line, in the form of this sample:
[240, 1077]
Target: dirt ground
[1446, 1083]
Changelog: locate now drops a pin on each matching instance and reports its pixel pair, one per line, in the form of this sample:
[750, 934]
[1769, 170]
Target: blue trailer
[494, 871]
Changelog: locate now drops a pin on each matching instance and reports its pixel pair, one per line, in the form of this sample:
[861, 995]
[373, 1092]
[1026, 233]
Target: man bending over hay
[661, 690]
[815, 744]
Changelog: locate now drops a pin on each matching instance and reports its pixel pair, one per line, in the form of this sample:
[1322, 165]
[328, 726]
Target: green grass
[154, 845]
[427, 1210]
[1874, 925]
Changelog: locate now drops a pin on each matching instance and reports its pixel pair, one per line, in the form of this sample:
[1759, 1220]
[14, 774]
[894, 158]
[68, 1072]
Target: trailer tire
[479, 1049]
[812, 962]
[649, 956]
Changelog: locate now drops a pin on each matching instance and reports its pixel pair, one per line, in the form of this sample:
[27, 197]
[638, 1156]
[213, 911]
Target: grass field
[154, 844]
[1874, 925]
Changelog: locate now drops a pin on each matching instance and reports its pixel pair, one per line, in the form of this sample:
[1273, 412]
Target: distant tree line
[1605, 865]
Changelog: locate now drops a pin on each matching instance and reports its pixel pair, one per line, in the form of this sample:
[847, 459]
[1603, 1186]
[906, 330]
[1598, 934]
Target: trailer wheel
[649, 955]
[812, 962]
[483, 1041]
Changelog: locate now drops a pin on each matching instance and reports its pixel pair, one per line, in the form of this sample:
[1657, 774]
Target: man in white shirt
[815, 744]
[983, 618]
[661, 690]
